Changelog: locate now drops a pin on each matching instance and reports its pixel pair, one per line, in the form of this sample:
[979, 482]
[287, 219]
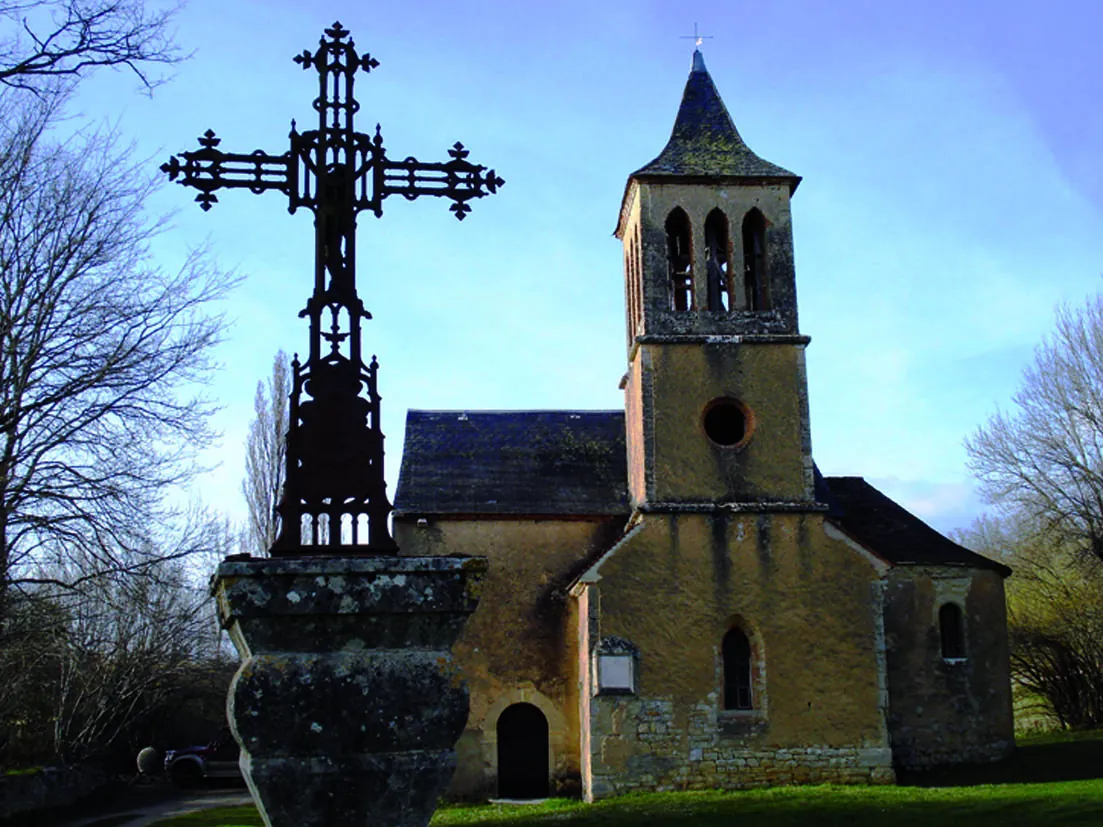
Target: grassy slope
[1032, 788]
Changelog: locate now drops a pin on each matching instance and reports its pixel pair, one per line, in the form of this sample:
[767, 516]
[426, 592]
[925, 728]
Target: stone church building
[677, 599]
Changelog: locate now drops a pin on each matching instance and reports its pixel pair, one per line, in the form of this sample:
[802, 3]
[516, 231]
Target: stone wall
[947, 711]
[810, 605]
[22, 797]
[518, 646]
[649, 746]
[676, 383]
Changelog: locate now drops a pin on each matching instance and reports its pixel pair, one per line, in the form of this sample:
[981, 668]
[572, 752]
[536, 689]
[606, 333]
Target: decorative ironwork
[334, 495]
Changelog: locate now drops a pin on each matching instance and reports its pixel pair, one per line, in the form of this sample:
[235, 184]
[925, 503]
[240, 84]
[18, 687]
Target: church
[677, 598]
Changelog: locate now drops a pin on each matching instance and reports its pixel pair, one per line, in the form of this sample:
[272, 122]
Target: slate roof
[533, 463]
[705, 142]
[573, 463]
[894, 533]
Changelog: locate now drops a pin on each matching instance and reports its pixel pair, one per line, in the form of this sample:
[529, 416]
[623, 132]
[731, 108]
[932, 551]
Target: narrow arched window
[951, 628]
[755, 292]
[679, 257]
[719, 260]
[736, 650]
[630, 291]
[637, 267]
[635, 294]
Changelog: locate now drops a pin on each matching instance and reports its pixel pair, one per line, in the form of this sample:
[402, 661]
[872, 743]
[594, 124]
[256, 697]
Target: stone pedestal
[347, 704]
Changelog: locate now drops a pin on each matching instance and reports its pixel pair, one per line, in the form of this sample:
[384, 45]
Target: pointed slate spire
[705, 142]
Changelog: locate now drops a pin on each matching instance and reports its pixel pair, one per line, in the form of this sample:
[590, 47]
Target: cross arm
[209, 168]
[458, 179]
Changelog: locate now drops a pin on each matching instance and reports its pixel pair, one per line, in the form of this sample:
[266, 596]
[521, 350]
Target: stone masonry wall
[648, 747]
[947, 711]
[517, 648]
[810, 606]
[25, 798]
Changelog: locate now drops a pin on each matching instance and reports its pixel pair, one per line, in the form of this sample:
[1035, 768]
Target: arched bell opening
[718, 255]
[756, 294]
[679, 256]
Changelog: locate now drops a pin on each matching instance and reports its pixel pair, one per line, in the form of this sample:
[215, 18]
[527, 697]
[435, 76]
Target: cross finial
[695, 37]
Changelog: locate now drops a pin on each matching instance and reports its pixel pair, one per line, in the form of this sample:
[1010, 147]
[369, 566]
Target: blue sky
[952, 196]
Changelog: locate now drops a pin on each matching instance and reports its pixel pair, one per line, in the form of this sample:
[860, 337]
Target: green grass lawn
[1053, 779]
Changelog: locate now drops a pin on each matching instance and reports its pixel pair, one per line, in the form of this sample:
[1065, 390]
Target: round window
[727, 423]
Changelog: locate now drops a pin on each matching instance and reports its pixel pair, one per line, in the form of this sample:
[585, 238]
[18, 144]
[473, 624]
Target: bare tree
[101, 669]
[1041, 464]
[87, 668]
[1045, 457]
[1055, 620]
[102, 356]
[43, 40]
[30, 639]
[265, 457]
[102, 360]
[122, 654]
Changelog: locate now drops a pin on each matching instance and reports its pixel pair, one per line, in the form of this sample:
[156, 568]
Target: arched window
[736, 650]
[637, 269]
[951, 628]
[754, 261]
[629, 292]
[632, 286]
[719, 260]
[679, 256]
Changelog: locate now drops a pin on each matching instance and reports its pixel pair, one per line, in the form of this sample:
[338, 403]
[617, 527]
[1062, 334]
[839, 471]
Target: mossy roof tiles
[705, 142]
[573, 464]
[569, 463]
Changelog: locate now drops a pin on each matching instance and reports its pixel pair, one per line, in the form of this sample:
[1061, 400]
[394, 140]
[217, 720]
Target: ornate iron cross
[334, 495]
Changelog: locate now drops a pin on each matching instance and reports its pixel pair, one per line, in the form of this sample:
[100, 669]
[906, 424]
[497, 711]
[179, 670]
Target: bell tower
[716, 395]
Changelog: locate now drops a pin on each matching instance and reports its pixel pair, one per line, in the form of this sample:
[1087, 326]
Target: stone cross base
[347, 704]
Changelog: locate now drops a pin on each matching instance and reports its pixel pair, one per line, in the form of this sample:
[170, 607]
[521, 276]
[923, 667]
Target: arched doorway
[522, 752]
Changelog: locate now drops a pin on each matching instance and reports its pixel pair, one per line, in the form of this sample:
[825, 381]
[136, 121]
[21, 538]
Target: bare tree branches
[265, 457]
[50, 39]
[101, 353]
[1042, 465]
[1046, 456]
[1055, 620]
[84, 668]
[125, 652]
[103, 357]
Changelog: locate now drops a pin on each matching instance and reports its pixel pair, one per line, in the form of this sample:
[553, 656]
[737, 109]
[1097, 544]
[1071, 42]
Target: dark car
[188, 767]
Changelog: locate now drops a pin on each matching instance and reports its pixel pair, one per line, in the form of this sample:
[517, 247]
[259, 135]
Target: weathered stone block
[347, 704]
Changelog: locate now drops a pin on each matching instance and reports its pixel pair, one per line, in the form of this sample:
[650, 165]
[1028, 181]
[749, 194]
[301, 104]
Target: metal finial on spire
[695, 37]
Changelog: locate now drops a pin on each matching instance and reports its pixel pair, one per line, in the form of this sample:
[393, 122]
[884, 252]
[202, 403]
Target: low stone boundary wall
[49, 788]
